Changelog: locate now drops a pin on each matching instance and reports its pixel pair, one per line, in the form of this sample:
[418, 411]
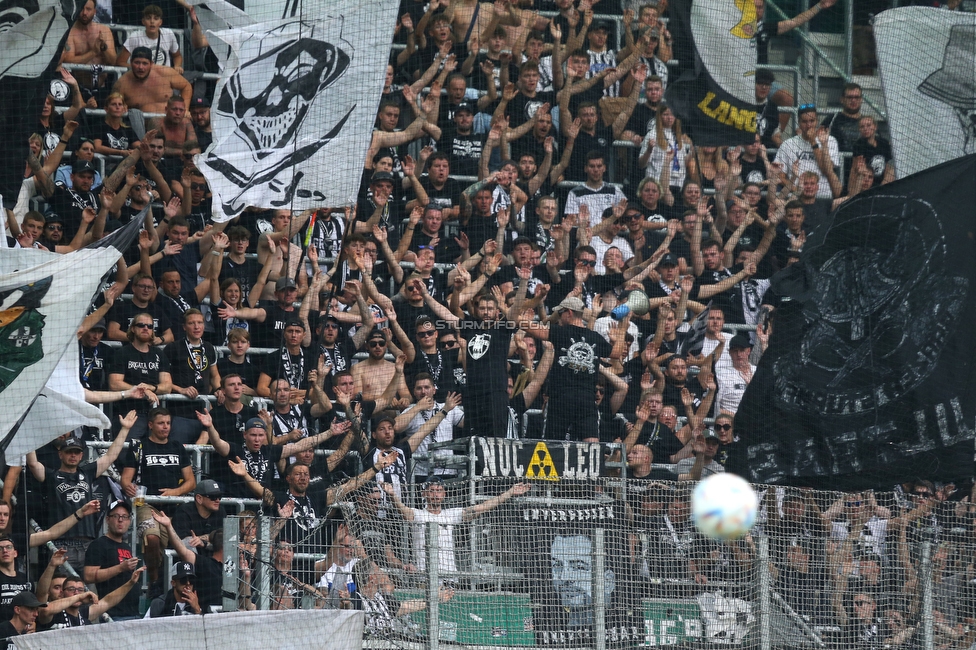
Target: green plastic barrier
[670, 622]
[476, 618]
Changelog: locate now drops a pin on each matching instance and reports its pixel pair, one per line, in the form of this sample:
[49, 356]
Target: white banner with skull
[930, 90]
[294, 110]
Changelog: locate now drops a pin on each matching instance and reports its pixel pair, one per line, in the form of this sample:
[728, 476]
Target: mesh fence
[613, 562]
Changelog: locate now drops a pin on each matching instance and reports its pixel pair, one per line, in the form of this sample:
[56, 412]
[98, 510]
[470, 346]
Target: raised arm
[516, 490]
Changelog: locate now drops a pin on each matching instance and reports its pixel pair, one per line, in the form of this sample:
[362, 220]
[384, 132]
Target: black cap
[381, 176]
[123, 503]
[73, 442]
[464, 106]
[53, 217]
[26, 598]
[669, 259]
[376, 333]
[740, 340]
[285, 283]
[185, 570]
[294, 322]
[711, 435]
[599, 24]
[141, 53]
[82, 166]
[256, 423]
[209, 488]
[199, 102]
[100, 325]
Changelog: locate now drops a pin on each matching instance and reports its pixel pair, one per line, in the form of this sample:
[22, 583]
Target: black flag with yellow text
[713, 92]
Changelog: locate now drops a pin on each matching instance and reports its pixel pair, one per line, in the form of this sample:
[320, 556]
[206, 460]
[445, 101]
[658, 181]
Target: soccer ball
[723, 507]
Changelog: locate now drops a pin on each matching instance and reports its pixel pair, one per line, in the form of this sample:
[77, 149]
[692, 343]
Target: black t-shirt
[725, 299]
[158, 466]
[187, 519]
[479, 80]
[600, 140]
[642, 120]
[105, 553]
[396, 474]
[439, 365]
[209, 582]
[269, 334]
[222, 327]
[95, 364]
[753, 172]
[523, 108]
[123, 311]
[298, 417]
[305, 528]
[137, 367]
[248, 370]
[876, 158]
[229, 425]
[767, 121]
[63, 620]
[69, 491]
[246, 273]
[189, 365]
[122, 138]
[8, 631]
[487, 355]
[10, 586]
[464, 150]
[662, 441]
[816, 213]
[575, 368]
[446, 251]
[69, 205]
[293, 367]
[260, 464]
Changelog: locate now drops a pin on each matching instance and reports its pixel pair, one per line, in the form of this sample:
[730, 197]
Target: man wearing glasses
[195, 522]
[80, 605]
[143, 301]
[844, 126]
[109, 563]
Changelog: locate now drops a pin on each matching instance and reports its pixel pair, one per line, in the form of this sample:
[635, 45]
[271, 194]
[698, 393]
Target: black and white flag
[294, 110]
[713, 92]
[869, 377]
[930, 91]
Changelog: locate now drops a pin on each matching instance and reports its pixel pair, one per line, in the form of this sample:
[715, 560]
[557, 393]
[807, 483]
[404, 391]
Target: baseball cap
[209, 488]
[256, 423]
[711, 435]
[26, 598]
[285, 283]
[53, 217]
[600, 24]
[669, 259]
[82, 166]
[100, 325]
[376, 333]
[119, 503]
[571, 303]
[199, 102]
[381, 176]
[74, 442]
[294, 322]
[185, 570]
[464, 106]
[740, 340]
[141, 53]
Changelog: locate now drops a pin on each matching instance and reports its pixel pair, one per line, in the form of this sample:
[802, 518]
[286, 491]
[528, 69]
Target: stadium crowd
[507, 272]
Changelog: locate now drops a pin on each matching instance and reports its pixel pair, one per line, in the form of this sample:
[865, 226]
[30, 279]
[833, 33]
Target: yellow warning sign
[541, 466]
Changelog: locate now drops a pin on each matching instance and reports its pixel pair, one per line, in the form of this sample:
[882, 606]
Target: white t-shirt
[679, 169]
[443, 433]
[601, 247]
[731, 387]
[796, 148]
[446, 521]
[162, 48]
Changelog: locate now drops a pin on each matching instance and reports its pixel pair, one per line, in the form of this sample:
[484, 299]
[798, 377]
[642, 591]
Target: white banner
[43, 299]
[927, 59]
[324, 629]
[294, 110]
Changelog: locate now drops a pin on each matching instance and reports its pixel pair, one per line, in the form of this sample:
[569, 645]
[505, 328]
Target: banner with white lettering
[539, 460]
[294, 109]
[930, 92]
[713, 92]
[868, 379]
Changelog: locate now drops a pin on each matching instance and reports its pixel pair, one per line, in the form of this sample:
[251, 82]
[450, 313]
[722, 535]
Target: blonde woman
[664, 138]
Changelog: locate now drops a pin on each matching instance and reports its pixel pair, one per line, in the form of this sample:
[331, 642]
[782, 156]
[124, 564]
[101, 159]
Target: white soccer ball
[724, 506]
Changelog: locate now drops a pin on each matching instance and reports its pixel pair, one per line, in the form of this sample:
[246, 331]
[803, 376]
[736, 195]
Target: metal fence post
[928, 623]
[231, 569]
[599, 591]
[765, 586]
[263, 562]
[433, 586]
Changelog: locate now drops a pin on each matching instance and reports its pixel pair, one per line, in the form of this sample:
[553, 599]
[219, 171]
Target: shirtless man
[147, 87]
[175, 126]
[89, 43]
[372, 376]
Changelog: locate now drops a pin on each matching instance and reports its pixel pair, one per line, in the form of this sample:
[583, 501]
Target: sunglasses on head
[804, 107]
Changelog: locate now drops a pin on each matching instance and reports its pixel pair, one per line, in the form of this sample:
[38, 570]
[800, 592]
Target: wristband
[76, 515]
[121, 394]
[377, 469]
[63, 141]
[443, 412]
[216, 253]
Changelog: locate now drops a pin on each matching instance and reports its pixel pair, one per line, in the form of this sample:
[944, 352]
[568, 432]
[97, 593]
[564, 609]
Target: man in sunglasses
[109, 562]
[196, 522]
[373, 375]
[120, 317]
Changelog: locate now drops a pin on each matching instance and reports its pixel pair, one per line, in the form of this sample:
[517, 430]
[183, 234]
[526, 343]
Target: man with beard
[294, 411]
[175, 126]
[413, 418]
[95, 357]
[438, 364]
[433, 238]
[373, 375]
[147, 86]
[200, 116]
[109, 562]
[676, 378]
[89, 43]
[461, 143]
[292, 363]
[335, 347]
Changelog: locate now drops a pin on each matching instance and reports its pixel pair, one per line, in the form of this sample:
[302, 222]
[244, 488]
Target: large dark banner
[870, 376]
[713, 92]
